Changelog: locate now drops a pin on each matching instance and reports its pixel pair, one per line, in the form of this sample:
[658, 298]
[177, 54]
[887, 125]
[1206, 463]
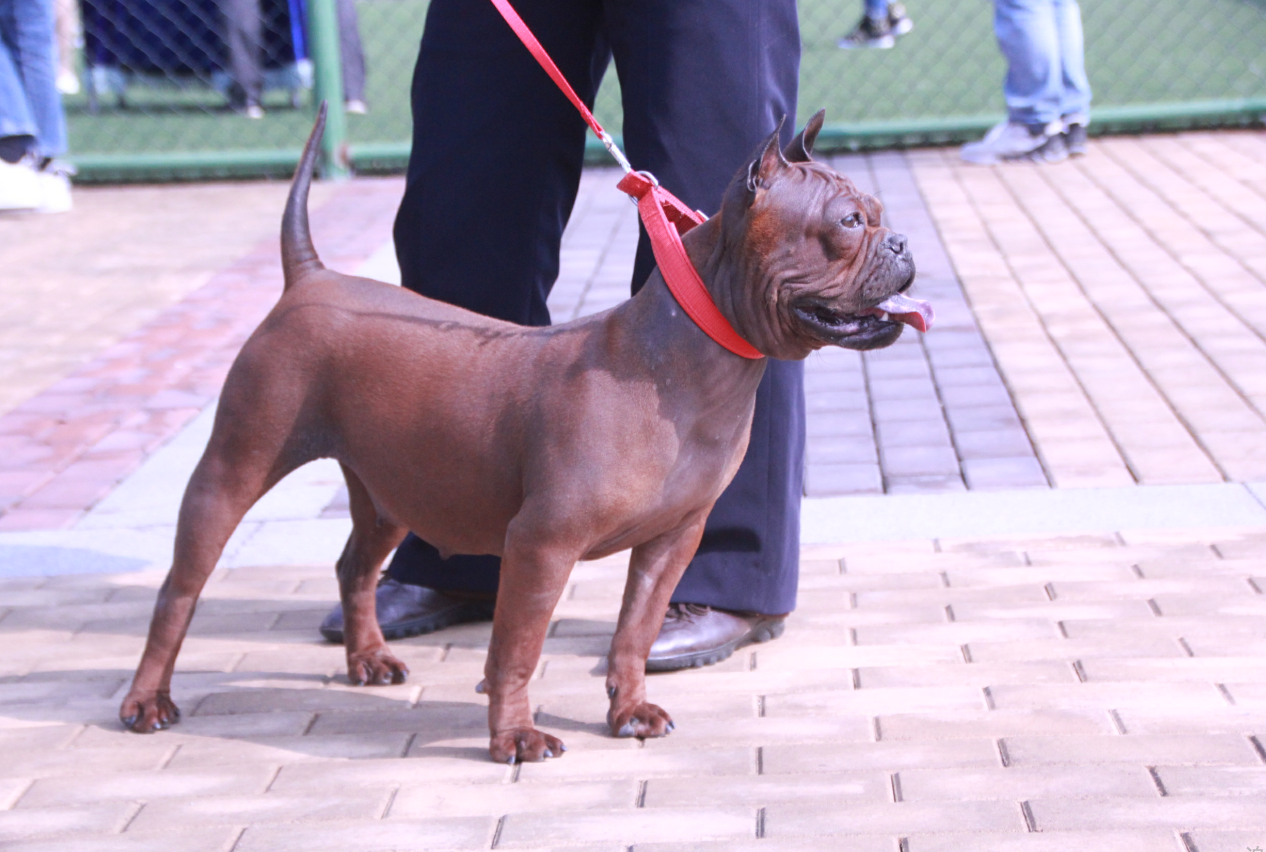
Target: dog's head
[816, 265]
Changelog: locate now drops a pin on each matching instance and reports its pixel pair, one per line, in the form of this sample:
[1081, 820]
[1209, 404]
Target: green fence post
[327, 66]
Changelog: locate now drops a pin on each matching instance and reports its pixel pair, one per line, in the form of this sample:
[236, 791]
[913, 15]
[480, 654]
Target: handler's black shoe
[694, 635]
[405, 610]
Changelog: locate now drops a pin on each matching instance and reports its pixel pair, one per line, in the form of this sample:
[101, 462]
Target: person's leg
[1029, 40]
[703, 82]
[494, 171]
[35, 107]
[351, 52]
[1075, 86]
[876, 9]
[243, 35]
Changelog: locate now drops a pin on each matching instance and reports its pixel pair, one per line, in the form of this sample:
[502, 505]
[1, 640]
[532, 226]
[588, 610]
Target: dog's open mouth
[884, 318]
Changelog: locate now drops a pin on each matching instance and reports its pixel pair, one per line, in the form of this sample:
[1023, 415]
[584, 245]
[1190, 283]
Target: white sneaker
[20, 187]
[1011, 141]
[356, 108]
[54, 181]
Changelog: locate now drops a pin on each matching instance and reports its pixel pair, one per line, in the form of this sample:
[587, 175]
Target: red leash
[666, 218]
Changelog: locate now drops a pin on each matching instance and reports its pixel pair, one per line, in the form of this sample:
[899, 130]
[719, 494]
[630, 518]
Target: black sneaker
[898, 21]
[1075, 137]
[870, 32]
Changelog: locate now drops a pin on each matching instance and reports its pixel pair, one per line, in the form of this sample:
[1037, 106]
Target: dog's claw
[626, 730]
[481, 687]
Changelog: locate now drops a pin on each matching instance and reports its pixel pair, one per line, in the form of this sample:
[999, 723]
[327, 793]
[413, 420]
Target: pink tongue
[912, 312]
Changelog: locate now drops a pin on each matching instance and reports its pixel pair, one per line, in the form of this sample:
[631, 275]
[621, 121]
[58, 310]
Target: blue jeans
[1046, 68]
[30, 104]
[876, 8]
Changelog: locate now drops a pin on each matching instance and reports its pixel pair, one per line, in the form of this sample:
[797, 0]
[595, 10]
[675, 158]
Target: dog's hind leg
[654, 570]
[218, 495]
[372, 538]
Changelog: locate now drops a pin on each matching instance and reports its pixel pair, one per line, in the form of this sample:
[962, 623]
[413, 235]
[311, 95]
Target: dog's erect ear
[800, 149]
[767, 162]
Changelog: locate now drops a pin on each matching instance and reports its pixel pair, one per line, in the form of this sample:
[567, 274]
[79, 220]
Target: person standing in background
[1046, 89]
[32, 124]
[879, 27]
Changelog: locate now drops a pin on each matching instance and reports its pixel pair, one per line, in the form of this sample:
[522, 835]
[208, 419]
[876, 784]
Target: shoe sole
[761, 633]
[883, 43]
[421, 626]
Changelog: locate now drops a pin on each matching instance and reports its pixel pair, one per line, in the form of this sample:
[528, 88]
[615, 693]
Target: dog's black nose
[897, 243]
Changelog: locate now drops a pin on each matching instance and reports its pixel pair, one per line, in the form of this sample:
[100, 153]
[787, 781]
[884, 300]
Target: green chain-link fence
[152, 102]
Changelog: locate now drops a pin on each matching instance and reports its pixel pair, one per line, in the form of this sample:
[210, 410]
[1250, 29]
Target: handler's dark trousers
[496, 162]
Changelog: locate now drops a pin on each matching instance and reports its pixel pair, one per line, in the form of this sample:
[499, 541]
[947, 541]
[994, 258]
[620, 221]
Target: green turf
[1138, 52]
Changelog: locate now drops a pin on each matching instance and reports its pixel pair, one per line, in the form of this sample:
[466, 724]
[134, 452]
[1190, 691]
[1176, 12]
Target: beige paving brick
[856, 843]
[146, 786]
[974, 675]
[1179, 669]
[760, 790]
[438, 797]
[107, 817]
[364, 699]
[439, 835]
[784, 820]
[42, 762]
[810, 757]
[1212, 780]
[981, 722]
[1114, 812]
[873, 701]
[1211, 840]
[201, 839]
[1154, 840]
[1211, 749]
[1183, 699]
[626, 826]
[263, 808]
[219, 752]
[1163, 720]
[1017, 783]
[452, 765]
[657, 759]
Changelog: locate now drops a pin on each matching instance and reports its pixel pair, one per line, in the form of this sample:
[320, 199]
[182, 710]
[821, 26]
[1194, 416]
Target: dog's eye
[852, 220]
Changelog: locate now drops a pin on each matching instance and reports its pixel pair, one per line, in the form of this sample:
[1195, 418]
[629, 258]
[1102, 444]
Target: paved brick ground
[1101, 322]
[1101, 692]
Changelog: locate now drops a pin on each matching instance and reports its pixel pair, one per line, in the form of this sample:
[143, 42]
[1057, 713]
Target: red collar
[666, 219]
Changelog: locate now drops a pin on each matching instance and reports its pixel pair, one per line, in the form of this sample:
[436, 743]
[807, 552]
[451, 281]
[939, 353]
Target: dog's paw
[524, 744]
[147, 713]
[641, 720]
[375, 668]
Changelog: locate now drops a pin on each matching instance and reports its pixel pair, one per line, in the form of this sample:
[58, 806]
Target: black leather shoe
[405, 610]
[695, 635]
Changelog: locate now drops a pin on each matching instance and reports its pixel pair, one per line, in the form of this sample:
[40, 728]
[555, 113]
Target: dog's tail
[298, 255]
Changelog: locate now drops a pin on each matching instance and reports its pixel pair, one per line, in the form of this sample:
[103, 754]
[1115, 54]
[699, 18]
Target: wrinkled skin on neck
[791, 297]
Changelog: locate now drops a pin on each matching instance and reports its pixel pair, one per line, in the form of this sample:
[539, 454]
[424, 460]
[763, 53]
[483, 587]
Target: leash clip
[614, 150]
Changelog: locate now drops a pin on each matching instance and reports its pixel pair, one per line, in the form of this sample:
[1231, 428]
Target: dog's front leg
[532, 579]
[654, 570]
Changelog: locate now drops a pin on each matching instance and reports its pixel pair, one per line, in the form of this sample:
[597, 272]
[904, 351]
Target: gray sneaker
[898, 21]
[1014, 142]
[869, 32]
[1075, 135]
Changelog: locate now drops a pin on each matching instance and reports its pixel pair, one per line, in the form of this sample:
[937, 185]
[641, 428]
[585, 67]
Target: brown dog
[541, 445]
